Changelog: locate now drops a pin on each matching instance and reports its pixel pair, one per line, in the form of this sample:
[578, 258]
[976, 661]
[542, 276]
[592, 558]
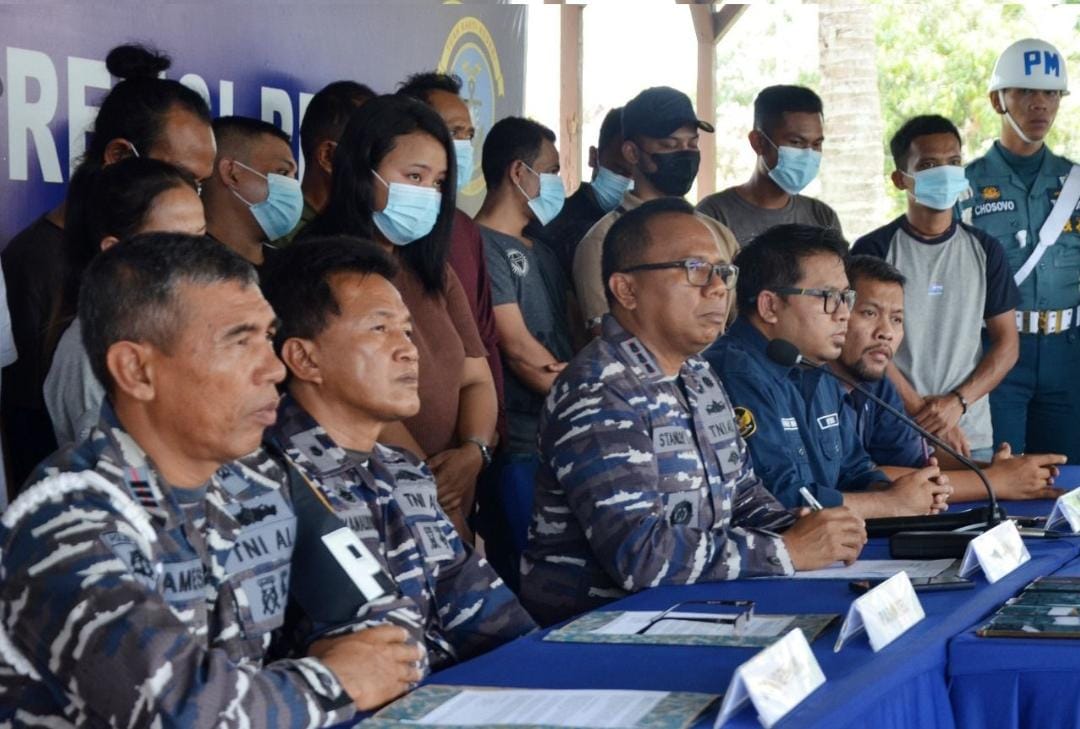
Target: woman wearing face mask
[393, 183]
[130, 197]
[142, 116]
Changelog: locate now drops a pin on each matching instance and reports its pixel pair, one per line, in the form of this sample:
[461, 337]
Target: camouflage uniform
[643, 481]
[124, 604]
[390, 503]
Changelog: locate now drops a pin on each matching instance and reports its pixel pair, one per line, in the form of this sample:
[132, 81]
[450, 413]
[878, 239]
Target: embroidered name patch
[832, 420]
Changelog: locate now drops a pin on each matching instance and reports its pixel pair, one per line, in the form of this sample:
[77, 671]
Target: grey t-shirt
[954, 282]
[73, 394]
[748, 221]
[532, 278]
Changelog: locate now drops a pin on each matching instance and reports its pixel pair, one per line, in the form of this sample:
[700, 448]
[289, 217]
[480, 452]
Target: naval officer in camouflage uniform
[346, 338]
[643, 478]
[141, 577]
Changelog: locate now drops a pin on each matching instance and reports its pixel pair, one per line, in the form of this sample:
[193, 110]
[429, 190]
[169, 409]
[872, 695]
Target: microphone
[786, 354]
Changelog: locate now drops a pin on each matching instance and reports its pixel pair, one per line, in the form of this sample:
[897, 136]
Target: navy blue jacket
[791, 420]
[887, 440]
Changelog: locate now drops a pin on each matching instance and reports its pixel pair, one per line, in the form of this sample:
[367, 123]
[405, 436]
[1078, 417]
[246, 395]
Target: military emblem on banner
[470, 53]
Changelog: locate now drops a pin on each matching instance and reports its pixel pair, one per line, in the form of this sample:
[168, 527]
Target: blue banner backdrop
[264, 60]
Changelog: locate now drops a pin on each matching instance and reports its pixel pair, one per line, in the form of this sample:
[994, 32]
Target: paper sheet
[876, 569]
[569, 708]
[629, 623]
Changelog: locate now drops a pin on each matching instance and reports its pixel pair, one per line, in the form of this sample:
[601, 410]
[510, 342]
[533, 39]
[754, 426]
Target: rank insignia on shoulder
[745, 420]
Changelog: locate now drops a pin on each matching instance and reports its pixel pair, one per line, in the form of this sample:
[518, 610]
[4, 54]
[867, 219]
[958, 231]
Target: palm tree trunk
[852, 171]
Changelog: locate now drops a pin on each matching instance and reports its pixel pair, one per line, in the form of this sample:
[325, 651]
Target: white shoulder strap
[1054, 223]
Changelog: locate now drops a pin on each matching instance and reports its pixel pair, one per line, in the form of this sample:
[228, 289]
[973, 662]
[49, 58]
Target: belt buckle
[1043, 316]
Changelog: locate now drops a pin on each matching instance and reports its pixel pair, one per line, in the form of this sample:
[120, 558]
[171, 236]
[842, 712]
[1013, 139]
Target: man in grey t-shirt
[528, 276]
[529, 298]
[787, 138]
[958, 281]
[528, 288]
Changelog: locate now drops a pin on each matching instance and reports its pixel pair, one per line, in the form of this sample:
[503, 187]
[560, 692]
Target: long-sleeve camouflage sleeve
[477, 610]
[86, 627]
[624, 497]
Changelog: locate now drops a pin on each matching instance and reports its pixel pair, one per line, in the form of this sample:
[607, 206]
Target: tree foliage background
[932, 56]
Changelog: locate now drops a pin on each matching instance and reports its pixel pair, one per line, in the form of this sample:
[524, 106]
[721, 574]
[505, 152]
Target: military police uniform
[126, 602]
[790, 418]
[1034, 408]
[389, 500]
[643, 481]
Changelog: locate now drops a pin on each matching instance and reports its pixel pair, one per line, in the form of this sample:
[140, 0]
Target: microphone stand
[934, 537]
[996, 513]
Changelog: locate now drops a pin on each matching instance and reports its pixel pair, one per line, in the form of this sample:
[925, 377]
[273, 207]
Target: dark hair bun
[136, 61]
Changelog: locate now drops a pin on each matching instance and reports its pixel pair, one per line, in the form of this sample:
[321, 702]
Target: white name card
[1066, 509]
[357, 561]
[998, 552]
[885, 613]
[776, 680]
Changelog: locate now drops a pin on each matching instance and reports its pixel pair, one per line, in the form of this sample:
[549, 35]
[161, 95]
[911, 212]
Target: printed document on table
[566, 708]
[877, 569]
[680, 623]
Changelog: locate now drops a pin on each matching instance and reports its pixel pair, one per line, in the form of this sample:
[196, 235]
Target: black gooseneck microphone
[784, 353]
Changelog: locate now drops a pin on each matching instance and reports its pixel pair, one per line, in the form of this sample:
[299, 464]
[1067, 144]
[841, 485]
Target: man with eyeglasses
[958, 283]
[793, 287]
[1027, 197]
[643, 478]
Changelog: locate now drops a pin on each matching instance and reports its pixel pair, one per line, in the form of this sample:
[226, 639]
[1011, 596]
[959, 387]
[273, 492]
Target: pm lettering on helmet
[1051, 63]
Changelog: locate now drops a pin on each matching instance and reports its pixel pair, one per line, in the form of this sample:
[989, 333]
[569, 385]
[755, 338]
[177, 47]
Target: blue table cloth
[1012, 682]
[902, 686]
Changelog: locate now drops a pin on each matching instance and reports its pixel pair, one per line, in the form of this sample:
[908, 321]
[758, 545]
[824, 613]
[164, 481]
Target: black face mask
[675, 171]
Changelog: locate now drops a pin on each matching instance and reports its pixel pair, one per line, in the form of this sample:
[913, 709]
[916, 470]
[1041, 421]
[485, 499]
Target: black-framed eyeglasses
[831, 297]
[698, 272]
[738, 620]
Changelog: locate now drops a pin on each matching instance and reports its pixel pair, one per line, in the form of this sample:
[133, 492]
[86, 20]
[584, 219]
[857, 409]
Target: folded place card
[885, 613]
[776, 680]
[998, 552]
[1066, 510]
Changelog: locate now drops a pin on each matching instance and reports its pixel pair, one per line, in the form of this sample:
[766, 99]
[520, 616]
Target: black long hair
[370, 135]
[135, 109]
[117, 202]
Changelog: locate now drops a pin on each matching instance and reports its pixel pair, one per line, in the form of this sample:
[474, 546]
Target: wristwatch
[485, 449]
[963, 402]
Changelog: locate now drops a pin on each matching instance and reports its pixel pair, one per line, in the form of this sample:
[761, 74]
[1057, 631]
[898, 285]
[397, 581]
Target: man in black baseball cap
[660, 149]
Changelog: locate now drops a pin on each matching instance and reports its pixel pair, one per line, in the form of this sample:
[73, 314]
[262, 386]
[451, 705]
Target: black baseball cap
[659, 111]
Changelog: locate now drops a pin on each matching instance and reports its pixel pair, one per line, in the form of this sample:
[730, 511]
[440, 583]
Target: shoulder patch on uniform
[745, 420]
[127, 551]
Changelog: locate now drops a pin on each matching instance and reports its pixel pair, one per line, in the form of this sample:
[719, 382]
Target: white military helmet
[1030, 64]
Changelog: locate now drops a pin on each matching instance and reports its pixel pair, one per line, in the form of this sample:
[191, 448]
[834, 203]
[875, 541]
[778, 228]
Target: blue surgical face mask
[463, 154]
[938, 188]
[609, 188]
[795, 167]
[279, 213]
[546, 205]
[410, 212]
